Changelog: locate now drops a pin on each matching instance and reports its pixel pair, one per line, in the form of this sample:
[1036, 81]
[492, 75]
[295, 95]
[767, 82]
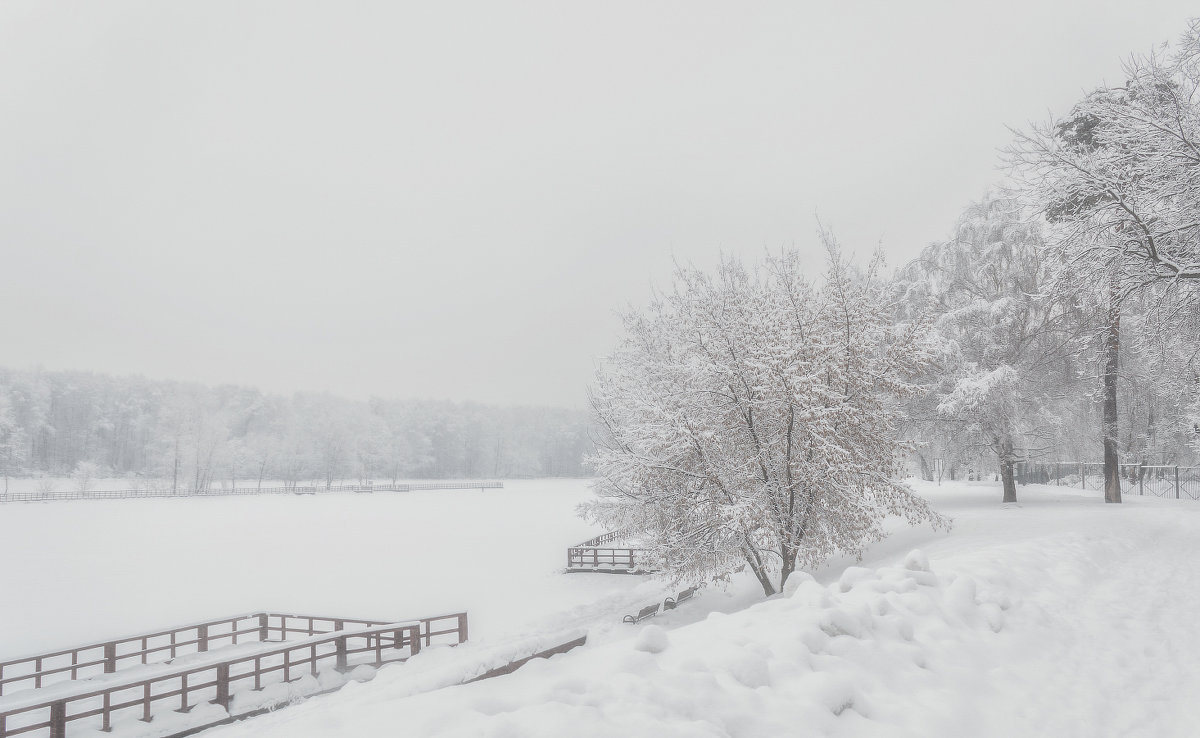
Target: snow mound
[652, 639]
[822, 657]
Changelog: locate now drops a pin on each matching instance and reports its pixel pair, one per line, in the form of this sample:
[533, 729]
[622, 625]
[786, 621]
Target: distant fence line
[1154, 480]
[236, 491]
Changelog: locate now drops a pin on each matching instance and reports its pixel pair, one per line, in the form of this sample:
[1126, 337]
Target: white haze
[449, 200]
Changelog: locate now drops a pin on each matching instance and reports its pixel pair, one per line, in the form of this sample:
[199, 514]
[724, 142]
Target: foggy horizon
[453, 202]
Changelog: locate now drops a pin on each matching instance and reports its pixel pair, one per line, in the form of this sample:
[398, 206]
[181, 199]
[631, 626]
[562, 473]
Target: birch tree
[750, 417]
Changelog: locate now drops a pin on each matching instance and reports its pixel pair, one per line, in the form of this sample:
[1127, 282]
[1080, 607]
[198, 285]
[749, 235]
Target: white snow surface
[1057, 616]
[78, 572]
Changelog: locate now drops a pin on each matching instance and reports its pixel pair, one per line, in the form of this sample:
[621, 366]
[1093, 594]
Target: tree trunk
[1007, 462]
[1112, 346]
[1010, 482]
[754, 559]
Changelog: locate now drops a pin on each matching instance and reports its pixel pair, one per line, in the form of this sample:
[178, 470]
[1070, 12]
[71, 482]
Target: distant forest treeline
[52, 422]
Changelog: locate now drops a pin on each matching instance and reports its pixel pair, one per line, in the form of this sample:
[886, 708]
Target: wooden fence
[214, 679]
[159, 646]
[591, 555]
[158, 492]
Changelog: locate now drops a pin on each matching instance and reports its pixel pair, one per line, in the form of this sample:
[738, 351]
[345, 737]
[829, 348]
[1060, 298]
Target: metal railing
[1176, 482]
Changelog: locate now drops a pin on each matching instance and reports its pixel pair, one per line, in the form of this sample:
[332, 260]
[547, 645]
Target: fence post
[58, 720]
[1141, 472]
[462, 627]
[222, 698]
[202, 637]
[262, 627]
[1082, 478]
[414, 632]
[110, 658]
[1177, 483]
[339, 647]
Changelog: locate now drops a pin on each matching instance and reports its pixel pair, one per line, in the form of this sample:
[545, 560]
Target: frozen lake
[80, 571]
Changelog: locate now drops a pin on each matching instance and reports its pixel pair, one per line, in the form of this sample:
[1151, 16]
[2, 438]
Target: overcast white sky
[449, 200]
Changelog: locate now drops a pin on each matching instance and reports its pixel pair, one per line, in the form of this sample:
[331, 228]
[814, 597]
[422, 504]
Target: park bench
[681, 598]
[648, 611]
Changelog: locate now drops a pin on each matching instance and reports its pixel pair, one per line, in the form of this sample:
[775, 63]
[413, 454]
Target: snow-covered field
[1058, 616]
[80, 571]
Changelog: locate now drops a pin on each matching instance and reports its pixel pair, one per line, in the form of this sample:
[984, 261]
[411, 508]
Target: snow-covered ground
[81, 571]
[1058, 616]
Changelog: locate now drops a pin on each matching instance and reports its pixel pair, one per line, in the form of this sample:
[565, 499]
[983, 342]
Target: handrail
[110, 658]
[403, 634]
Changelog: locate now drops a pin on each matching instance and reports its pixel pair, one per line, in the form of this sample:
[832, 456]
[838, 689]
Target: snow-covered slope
[1059, 616]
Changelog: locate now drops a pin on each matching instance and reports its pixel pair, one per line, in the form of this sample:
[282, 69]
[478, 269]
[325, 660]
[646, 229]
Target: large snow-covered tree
[749, 416]
[1119, 179]
[1121, 172]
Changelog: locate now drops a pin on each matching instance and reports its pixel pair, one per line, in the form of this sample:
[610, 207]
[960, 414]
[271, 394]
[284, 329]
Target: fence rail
[107, 657]
[237, 491]
[1177, 482]
[213, 680]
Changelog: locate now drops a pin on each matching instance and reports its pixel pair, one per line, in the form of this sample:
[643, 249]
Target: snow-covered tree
[998, 380]
[750, 417]
[1121, 172]
[12, 440]
[1119, 179]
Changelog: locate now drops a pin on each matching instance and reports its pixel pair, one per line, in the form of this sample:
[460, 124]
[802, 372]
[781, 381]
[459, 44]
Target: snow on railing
[208, 680]
[591, 555]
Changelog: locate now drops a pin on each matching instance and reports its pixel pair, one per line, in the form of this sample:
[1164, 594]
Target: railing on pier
[592, 555]
[214, 679]
[83, 662]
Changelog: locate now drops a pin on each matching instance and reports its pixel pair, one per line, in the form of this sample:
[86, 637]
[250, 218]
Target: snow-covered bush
[750, 416]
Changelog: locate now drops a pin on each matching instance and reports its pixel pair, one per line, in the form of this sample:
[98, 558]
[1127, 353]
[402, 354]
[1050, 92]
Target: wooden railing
[159, 492]
[601, 539]
[164, 645]
[214, 679]
[592, 556]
